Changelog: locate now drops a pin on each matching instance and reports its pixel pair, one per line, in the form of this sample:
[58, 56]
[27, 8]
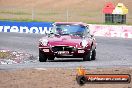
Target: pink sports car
[68, 39]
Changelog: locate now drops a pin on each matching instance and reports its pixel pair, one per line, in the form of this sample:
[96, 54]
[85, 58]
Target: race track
[111, 52]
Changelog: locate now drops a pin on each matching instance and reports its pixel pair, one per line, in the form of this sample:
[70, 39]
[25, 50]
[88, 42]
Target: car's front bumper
[66, 52]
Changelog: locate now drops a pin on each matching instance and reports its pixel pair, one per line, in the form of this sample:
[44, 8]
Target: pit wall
[122, 31]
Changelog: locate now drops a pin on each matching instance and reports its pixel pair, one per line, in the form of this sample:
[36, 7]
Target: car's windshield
[62, 29]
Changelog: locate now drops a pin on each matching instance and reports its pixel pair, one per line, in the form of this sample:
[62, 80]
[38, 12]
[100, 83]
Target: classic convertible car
[68, 39]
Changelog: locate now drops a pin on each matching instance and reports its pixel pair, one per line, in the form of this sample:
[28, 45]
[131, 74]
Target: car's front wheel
[93, 54]
[42, 56]
[88, 56]
[51, 58]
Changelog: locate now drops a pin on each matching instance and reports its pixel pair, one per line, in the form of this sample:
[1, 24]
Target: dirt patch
[55, 78]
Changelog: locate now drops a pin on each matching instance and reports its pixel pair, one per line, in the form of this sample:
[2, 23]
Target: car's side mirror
[51, 32]
[88, 31]
[92, 35]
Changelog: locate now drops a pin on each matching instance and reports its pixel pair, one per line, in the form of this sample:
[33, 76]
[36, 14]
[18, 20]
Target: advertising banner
[25, 27]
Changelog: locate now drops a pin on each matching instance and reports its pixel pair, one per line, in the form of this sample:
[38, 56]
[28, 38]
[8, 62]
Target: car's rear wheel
[93, 54]
[42, 56]
[88, 56]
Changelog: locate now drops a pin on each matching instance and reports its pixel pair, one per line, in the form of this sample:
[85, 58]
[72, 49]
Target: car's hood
[66, 40]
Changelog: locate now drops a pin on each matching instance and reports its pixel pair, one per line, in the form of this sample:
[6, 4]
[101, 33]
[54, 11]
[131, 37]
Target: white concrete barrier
[122, 31]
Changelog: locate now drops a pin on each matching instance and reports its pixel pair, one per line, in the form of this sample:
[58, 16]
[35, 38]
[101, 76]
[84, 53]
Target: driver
[59, 30]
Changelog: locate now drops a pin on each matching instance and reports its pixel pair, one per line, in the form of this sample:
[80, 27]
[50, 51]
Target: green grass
[39, 20]
[48, 14]
[22, 20]
[14, 13]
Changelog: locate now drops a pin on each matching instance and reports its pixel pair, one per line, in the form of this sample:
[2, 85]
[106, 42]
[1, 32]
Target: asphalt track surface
[111, 52]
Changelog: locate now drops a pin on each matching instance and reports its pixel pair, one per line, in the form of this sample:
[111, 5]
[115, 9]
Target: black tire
[42, 57]
[81, 80]
[88, 56]
[51, 58]
[93, 54]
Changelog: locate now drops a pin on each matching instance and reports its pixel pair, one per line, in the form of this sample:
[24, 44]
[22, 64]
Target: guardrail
[122, 31]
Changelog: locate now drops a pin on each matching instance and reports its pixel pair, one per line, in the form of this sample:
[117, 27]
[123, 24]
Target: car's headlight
[44, 42]
[84, 43]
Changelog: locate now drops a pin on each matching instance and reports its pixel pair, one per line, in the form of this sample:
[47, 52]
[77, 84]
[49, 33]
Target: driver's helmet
[59, 30]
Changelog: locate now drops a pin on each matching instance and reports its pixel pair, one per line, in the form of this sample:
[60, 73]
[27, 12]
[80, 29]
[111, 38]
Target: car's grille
[63, 48]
